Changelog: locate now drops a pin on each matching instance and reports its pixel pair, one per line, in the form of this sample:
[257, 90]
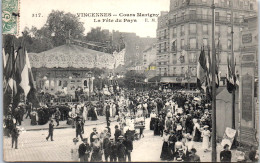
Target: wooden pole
[214, 131]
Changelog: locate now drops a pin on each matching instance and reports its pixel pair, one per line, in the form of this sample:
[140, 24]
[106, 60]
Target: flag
[230, 77]
[9, 77]
[24, 77]
[201, 68]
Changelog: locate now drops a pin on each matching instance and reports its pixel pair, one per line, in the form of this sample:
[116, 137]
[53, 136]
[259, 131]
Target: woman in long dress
[165, 154]
[205, 138]
[96, 150]
[196, 131]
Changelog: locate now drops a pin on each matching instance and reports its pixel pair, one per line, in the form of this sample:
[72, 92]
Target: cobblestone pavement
[32, 146]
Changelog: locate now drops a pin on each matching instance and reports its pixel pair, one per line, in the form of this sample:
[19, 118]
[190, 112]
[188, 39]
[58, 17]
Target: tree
[60, 23]
[132, 78]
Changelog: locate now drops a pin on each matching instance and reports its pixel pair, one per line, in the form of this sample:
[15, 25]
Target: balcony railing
[200, 17]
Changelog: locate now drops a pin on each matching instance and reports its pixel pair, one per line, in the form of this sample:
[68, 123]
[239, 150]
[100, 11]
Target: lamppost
[89, 77]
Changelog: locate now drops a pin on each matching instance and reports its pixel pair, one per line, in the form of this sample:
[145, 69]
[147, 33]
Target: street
[32, 146]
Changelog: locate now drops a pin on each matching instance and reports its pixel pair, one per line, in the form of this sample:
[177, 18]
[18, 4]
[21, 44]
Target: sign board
[247, 38]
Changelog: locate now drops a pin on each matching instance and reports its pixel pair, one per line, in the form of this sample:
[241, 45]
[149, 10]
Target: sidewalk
[26, 124]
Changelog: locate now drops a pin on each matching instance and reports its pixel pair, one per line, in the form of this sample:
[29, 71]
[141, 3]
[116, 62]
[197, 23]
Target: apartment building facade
[188, 27]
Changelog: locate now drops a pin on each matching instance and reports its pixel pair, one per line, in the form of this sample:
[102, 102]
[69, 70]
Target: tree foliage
[132, 78]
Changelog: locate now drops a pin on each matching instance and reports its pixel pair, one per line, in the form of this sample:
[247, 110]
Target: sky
[28, 8]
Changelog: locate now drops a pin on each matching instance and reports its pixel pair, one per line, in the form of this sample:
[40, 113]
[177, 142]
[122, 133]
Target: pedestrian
[117, 133]
[225, 155]
[92, 134]
[57, 116]
[15, 135]
[107, 146]
[193, 157]
[172, 140]
[113, 152]
[252, 154]
[79, 128]
[129, 147]
[9, 124]
[196, 131]
[74, 151]
[84, 151]
[121, 150]
[51, 128]
[96, 150]
[180, 155]
[166, 152]
[205, 134]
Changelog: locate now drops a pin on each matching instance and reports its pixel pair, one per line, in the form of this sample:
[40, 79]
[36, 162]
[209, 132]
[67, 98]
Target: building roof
[69, 55]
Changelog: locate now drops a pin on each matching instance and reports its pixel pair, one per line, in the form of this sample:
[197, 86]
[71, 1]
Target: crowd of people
[179, 117]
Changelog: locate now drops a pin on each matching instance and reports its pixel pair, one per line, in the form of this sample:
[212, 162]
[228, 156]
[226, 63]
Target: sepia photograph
[130, 81]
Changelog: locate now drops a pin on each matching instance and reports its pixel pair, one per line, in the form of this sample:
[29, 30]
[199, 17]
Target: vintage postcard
[136, 81]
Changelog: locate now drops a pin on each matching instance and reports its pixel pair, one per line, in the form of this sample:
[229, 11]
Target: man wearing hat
[113, 150]
[121, 149]
[84, 150]
[172, 140]
[57, 116]
[79, 128]
[92, 134]
[129, 147]
[180, 156]
[107, 146]
[51, 128]
[117, 133]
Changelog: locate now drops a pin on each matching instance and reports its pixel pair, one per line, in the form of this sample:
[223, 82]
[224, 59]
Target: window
[229, 44]
[251, 6]
[228, 3]
[160, 71]
[205, 28]
[193, 14]
[193, 43]
[160, 48]
[174, 32]
[182, 70]
[174, 70]
[174, 18]
[204, 13]
[165, 46]
[216, 1]
[59, 83]
[192, 57]
[182, 43]
[65, 83]
[217, 16]
[205, 42]
[182, 30]
[229, 17]
[165, 33]
[183, 16]
[193, 28]
[241, 18]
[52, 83]
[229, 30]
[217, 29]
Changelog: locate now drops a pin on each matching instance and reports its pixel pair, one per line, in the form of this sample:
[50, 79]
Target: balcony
[203, 18]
